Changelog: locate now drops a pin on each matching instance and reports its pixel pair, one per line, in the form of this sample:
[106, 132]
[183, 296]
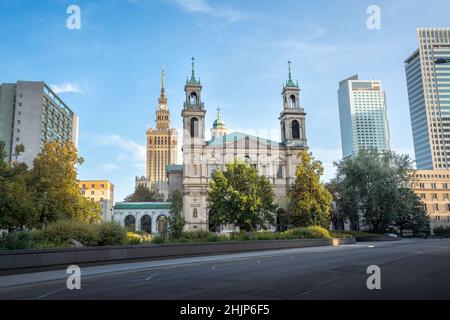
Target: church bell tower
[292, 118]
[194, 171]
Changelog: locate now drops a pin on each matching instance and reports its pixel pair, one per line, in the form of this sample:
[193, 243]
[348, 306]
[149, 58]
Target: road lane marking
[151, 277]
[214, 268]
[49, 294]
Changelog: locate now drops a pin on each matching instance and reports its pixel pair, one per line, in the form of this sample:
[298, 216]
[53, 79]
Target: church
[278, 161]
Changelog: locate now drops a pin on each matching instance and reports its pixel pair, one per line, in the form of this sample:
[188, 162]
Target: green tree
[239, 196]
[144, 194]
[17, 209]
[54, 178]
[373, 189]
[309, 200]
[176, 219]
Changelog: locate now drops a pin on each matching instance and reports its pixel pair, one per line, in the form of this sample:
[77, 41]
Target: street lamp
[442, 61]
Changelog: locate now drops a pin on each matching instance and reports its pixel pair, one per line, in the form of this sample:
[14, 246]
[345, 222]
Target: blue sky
[109, 71]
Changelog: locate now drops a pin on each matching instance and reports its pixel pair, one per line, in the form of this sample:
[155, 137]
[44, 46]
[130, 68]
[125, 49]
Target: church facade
[278, 161]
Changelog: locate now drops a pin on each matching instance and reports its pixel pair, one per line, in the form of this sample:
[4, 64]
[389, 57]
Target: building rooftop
[141, 205]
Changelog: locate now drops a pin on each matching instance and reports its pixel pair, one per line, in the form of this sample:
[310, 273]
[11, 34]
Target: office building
[102, 192]
[31, 114]
[429, 99]
[362, 111]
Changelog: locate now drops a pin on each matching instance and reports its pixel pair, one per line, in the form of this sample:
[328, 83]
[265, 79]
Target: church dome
[218, 124]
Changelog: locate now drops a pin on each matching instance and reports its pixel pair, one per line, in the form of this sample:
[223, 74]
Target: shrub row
[441, 231]
[313, 232]
[59, 235]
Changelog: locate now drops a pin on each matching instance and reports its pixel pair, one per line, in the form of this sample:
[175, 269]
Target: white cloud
[67, 87]
[110, 167]
[201, 6]
[135, 152]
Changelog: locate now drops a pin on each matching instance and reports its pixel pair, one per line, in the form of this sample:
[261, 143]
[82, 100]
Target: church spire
[290, 83]
[163, 83]
[193, 79]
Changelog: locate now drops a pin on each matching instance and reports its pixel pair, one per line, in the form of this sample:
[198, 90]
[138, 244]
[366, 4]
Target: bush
[15, 241]
[312, 232]
[110, 234]
[195, 236]
[63, 231]
[134, 238]
[442, 232]
[158, 240]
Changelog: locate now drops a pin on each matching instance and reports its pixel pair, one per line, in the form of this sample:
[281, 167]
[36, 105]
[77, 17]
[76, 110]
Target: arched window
[194, 128]
[283, 131]
[247, 160]
[280, 172]
[195, 214]
[130, 223]
[293, 101]
[247, 143]
[193, 98]
[295, 130]
[146, 224]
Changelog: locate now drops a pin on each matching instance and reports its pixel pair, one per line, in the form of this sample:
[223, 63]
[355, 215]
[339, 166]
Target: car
[391, 235]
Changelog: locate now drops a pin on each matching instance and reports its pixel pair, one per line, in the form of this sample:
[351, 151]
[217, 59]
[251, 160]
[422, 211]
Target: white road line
[151, 277]
[48, 294]
[214, 268]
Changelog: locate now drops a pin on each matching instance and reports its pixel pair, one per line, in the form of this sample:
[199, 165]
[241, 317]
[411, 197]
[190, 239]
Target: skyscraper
[362, 111]
[32, 114]
[161, 141]
[429, 99]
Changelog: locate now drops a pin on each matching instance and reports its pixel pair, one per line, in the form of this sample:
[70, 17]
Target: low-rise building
[150, 217]
[433, 187]
[102, 192]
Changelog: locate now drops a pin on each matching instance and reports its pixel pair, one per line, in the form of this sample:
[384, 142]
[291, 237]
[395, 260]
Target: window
[436, 207]
[280, 172]
[448, 207]
[92, 193]
[435, 196]
[195, 214]
[445, 185]
[295, 130]
[422, 185]
[83, 186]
[438, 218]
[103, 186]
[193, 98]
[92, 186]
[293, 101]
[433, 186]
[283, 131]
[194, 128]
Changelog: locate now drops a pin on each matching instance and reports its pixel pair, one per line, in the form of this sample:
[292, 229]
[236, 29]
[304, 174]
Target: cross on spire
[218, 113]
[290, 76]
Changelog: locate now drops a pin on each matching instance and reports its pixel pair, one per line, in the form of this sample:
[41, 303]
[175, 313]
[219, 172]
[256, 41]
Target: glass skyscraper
[362, 111]
[429, 99]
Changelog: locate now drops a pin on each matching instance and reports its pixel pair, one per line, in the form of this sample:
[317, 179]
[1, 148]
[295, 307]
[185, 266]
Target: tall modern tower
[362, 111]
[161, 141]
[31, 114]
[429, 99]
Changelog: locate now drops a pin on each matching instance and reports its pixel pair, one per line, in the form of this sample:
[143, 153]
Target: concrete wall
[17, 261]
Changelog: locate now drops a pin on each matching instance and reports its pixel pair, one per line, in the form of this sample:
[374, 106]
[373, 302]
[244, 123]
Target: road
[410, 269]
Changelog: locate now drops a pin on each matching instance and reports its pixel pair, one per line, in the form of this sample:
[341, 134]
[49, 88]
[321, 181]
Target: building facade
[150, 217]
[161, 142]
[429, 99]
[31, 114]
[102, 192]
[433, 187]
[363, 117]
[278, 161]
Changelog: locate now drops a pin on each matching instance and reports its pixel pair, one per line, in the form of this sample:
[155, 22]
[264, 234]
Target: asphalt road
[410, 269]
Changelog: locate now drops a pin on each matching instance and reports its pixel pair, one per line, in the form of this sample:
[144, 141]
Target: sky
[109, 71]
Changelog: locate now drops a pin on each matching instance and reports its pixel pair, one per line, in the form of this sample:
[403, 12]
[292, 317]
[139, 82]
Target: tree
[54, 178]
[309, 200]
[373, 189]
[144, 194]
[17, 210]
[176, 219]
[239, 196]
